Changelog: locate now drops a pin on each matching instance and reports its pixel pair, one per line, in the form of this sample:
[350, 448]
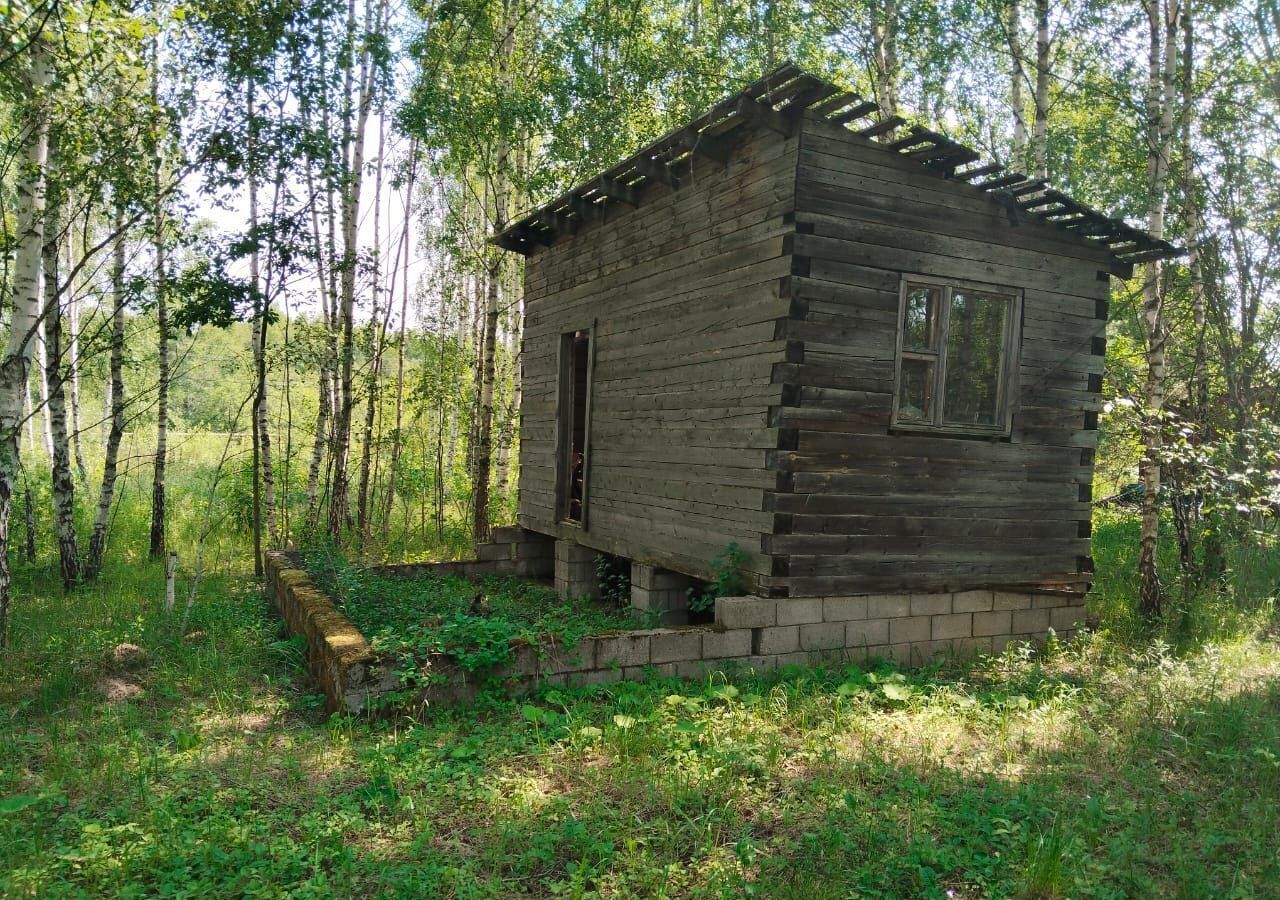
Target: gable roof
[778, 100]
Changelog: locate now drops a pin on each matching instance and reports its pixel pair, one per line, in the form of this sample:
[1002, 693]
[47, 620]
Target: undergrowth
[1127, 763]
[478, 622]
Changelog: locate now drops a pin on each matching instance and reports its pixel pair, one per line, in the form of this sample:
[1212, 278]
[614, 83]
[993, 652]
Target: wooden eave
[777, 102]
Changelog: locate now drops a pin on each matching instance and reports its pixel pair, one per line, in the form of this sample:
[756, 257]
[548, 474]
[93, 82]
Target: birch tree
[1162, 21]
[31, 186]
[358, 87]
[63, 485]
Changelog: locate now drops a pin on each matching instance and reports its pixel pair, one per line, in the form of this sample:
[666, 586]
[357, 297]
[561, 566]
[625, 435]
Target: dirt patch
[254, 723]
[127, 657]
[118, 690]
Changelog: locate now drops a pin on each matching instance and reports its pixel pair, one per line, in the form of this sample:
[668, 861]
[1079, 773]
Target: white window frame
[1010, 355]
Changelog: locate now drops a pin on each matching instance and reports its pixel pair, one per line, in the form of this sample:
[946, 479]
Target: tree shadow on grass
[796, 786]
[1176, 806]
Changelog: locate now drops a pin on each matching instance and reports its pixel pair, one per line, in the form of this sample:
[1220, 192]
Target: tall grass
[1245, 602]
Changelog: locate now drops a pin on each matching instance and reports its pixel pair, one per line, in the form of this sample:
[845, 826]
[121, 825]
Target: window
[956, 354]
[575, 425]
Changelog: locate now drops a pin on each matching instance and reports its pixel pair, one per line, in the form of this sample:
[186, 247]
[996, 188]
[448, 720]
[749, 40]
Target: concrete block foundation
[575, 570]
[758, 633]
[659, 595]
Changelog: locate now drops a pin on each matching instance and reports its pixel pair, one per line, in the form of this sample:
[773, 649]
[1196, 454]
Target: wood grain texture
[744, 369]
[684, 293]
[861, 508]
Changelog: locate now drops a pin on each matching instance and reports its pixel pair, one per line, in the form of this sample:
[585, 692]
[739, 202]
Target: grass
[475, 621]
[1118, 766]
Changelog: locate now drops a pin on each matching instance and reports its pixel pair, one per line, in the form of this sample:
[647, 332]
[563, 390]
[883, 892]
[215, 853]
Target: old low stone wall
[338, 655]
[759, 633]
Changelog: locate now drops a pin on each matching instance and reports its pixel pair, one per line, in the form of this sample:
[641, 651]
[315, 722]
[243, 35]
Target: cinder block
[899, 653]
[644, 673]
[1030, 621]
[580, 657]
[535, 550]
[746, 612]
[1051, 601]
[842, 609]
[822, 636]
[879, 651]
[596, 676]
[801, 658]
[971, 601]
[571, 552]
[673, 646]
[927, 651]
[623, 650]
[533, 568]
[955, 625]
[799, 611]
[646, 599]
[1066, 618]
[695, 668]
[855, 654]
[972, 646]
[909, 629]
[889, 606]
[762, 665]
[1007, 600]
[778, 639]
[930, 604]
[670, 581]
[1002, 642]
[726, 644]
[490, 552]
[866, 633]
[989, 623]
[655, 578]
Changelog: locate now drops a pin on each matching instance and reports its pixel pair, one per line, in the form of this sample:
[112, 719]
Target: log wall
[683, 291]
[860, 508]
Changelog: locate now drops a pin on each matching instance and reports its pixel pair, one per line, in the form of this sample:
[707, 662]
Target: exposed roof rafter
[777, 102]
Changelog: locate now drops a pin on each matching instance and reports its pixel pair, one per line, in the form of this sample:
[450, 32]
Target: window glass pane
[920, 326]
[975, 340]
[915, 394]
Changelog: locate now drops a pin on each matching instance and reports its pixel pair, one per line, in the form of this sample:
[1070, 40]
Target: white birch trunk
[73, 363]
[884, 52]
[1040, 138]
[358, 97]
[106, 493]
[30, 188]
[1162, 19]
[1018, 77]
[63, 485]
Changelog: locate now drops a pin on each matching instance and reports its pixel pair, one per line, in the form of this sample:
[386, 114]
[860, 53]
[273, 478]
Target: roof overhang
[777, 101]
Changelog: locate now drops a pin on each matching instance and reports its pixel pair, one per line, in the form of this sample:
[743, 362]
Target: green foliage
[726, 574]
[613, 575]
[478, 623]
[1022, 775]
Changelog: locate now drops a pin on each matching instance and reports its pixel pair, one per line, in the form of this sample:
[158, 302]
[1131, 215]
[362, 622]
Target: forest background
[249, 302]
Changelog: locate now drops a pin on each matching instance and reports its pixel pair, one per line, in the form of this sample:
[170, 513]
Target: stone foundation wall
[759, 633]
[338, 655]
[911, 629]
[575, 570]
[659, 592]
[512, 551]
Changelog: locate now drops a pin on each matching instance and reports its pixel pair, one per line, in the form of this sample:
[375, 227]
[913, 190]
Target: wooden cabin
[845, 344]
